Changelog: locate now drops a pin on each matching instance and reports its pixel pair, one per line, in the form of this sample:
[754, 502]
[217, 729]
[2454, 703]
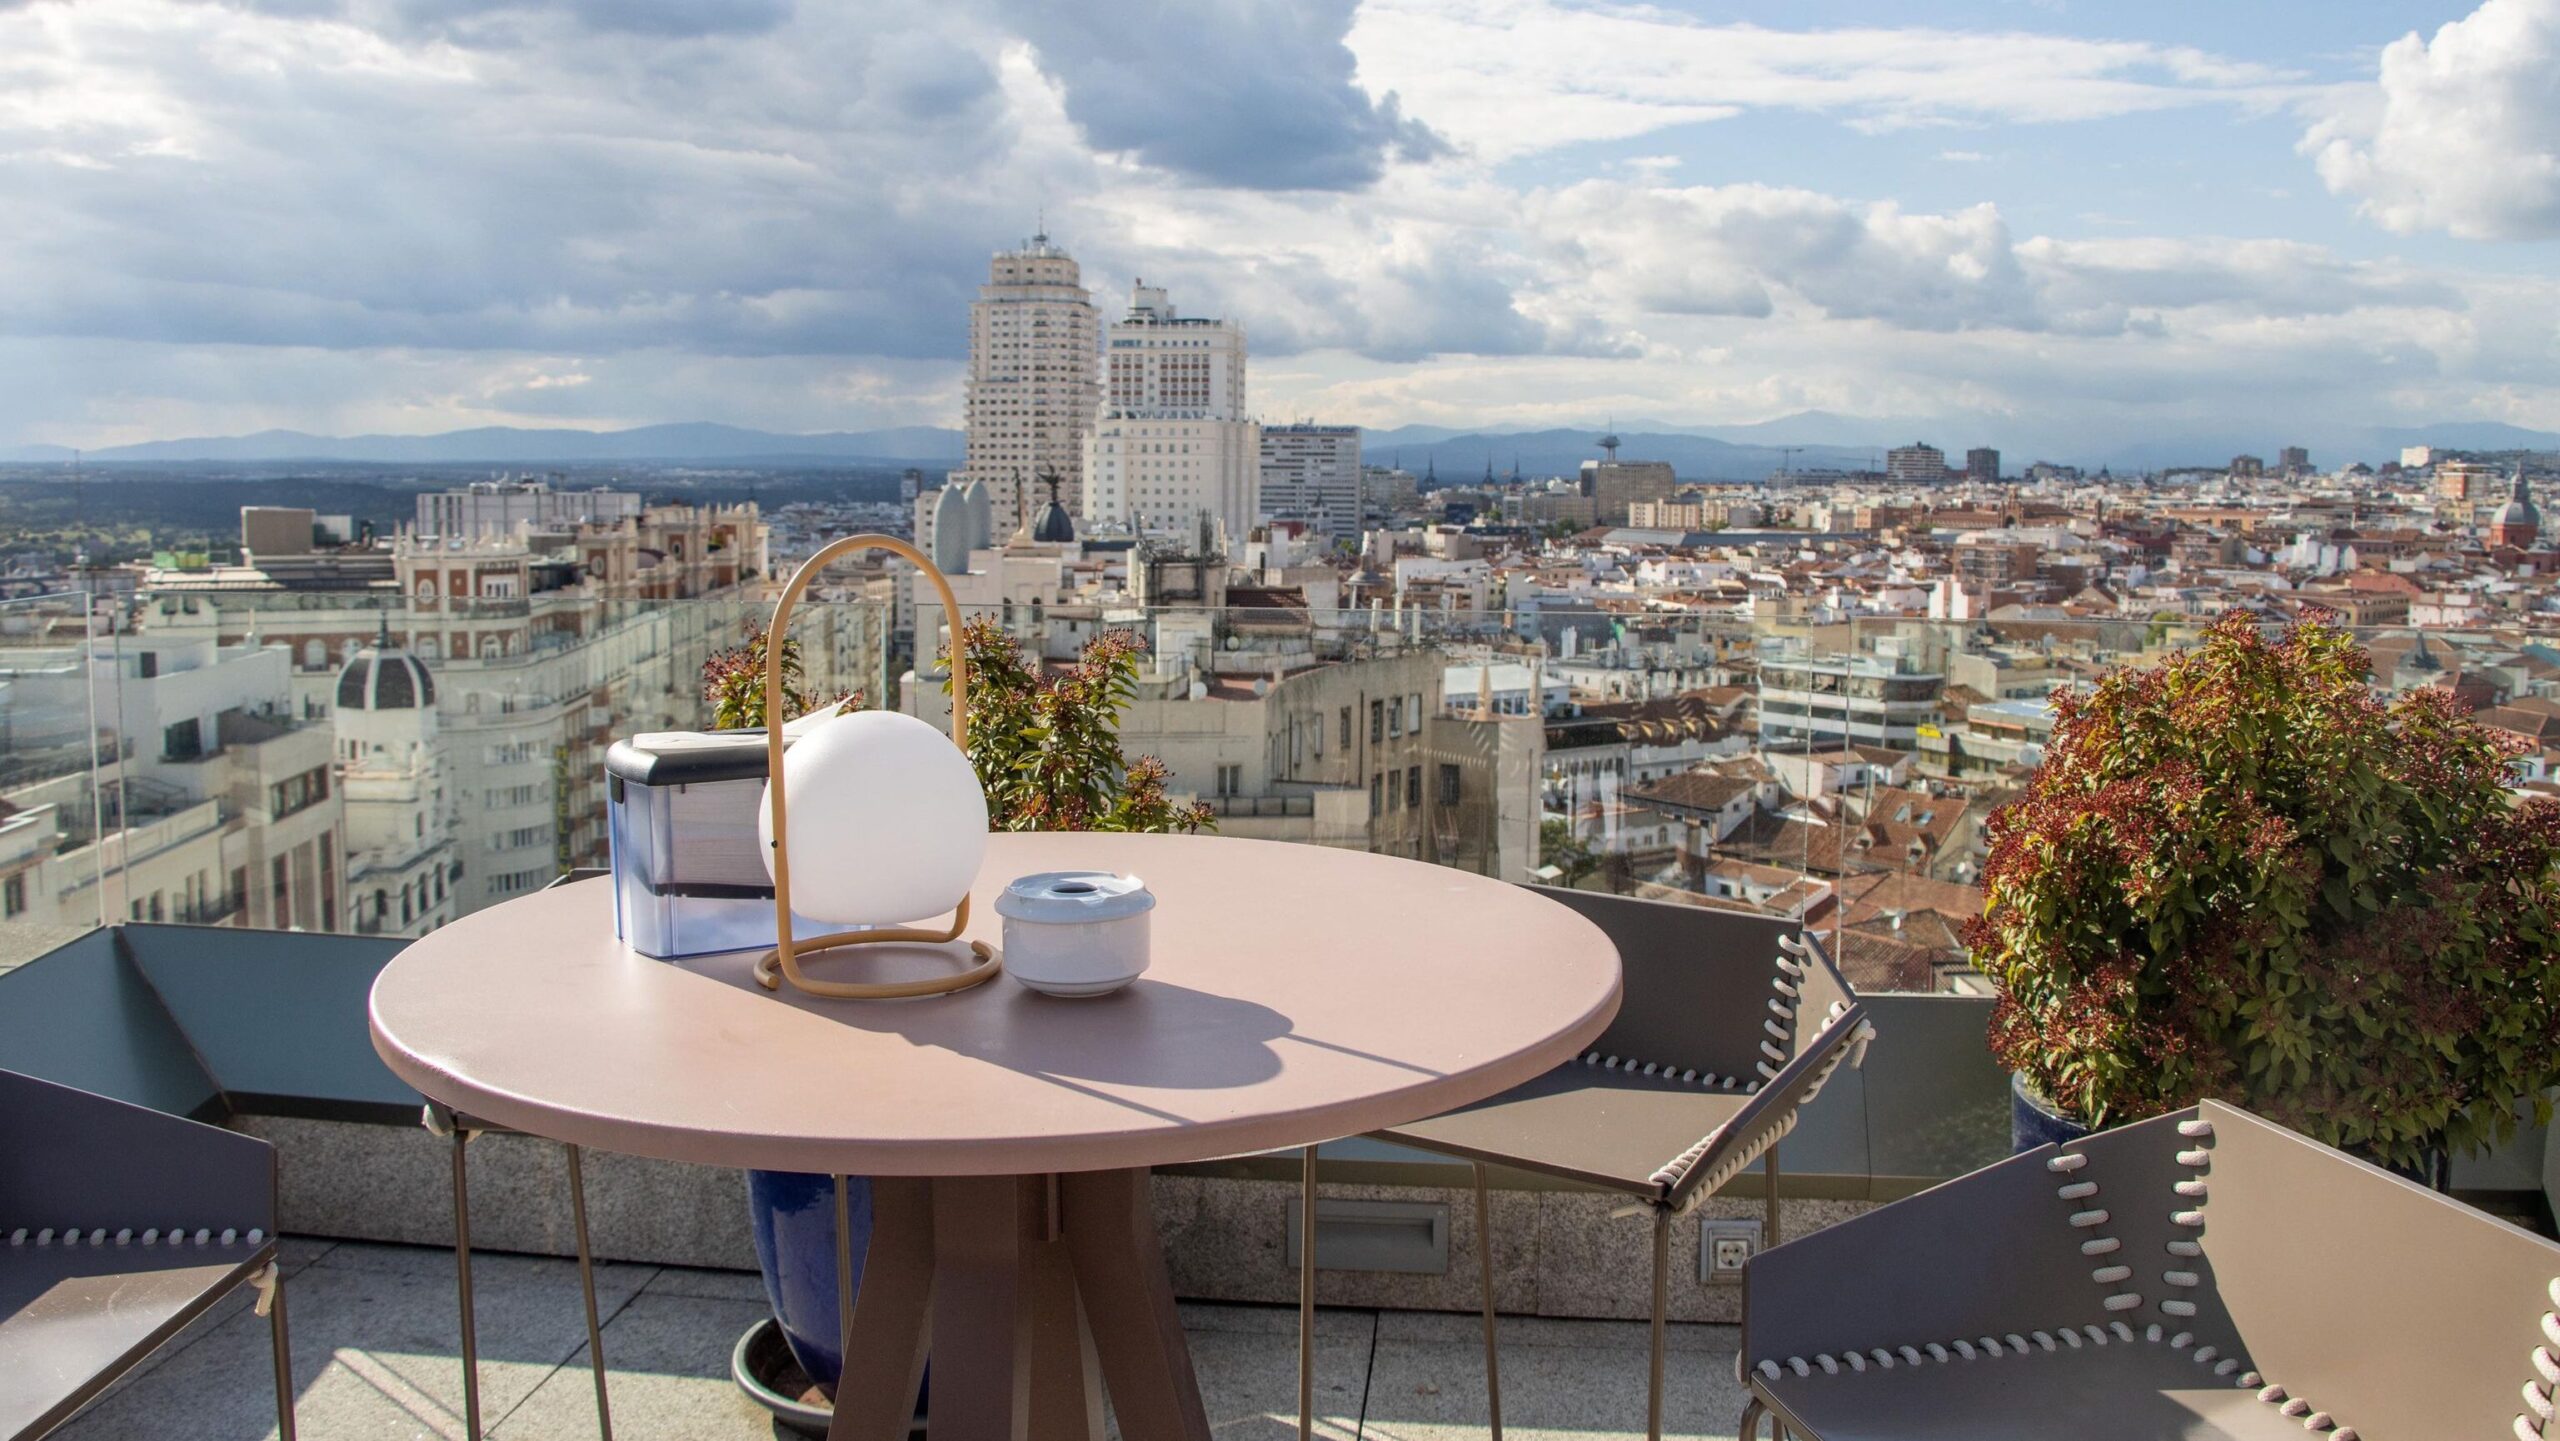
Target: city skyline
[2012, 222]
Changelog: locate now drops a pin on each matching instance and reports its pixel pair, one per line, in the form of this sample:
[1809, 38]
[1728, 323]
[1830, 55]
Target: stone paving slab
[375, 1346]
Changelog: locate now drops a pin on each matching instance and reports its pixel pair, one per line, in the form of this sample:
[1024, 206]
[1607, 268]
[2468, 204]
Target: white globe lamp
[873, 820]
[887, 824]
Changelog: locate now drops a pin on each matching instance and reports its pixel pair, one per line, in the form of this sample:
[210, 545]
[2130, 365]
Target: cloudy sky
[2124, 220]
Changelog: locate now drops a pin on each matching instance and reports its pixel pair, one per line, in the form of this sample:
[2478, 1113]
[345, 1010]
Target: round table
[1296, 994]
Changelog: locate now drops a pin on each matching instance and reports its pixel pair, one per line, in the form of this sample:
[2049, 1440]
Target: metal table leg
[587, 1284]
[1306, 1293]
[462, 1277]
[1484, 1268]
[440, 1121]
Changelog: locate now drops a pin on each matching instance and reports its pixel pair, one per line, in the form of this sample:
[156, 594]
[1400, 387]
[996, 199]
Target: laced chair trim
[68, 1236]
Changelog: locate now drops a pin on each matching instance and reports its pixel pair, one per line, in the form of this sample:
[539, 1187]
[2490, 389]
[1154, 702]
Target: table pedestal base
[1040, 1290]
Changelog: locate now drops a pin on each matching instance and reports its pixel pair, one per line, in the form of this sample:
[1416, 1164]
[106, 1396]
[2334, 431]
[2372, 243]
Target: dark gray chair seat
[2134, 1390]
[1584, 1123]
[102, 1205]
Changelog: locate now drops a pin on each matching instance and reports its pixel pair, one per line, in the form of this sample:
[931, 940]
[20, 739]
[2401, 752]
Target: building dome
[2517, 524]
[382, 676]
[1052, 523]
[2519, 509]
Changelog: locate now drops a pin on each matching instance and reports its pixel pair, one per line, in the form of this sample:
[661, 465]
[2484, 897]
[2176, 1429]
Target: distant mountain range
[500, 445]
[1811, 439]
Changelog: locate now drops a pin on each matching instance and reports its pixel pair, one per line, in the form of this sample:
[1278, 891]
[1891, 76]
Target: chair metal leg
[1661, 1303]
[1748, 1428]
[1306, 1294]
[587, 1284]
[1484, 1265]
[1769, 1203]
[462, 1280]
[283, 1344]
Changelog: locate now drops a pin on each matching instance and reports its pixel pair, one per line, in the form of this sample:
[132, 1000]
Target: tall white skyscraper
[1171, 443]
[1312, 473]
[1031, 380]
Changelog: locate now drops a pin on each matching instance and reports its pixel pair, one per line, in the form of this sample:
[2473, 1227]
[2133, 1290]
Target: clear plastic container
[688, 875]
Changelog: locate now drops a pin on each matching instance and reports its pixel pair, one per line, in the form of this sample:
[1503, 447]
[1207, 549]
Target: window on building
[13, 896]
[1377, 721]
[1448, 785]
[1413, 712]
[1395, 720]
[183, 741]
[1346, 727]
[1377, 796]
[1413, 788]
[1231, 779]
[298, 792]
[281, 871]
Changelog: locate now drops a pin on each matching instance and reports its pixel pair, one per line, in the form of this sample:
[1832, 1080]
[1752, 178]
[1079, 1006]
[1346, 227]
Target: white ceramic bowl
[1075, 933]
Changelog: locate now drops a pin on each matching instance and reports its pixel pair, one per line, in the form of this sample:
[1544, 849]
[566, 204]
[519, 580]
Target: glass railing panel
[1799, 755]
[62, 755]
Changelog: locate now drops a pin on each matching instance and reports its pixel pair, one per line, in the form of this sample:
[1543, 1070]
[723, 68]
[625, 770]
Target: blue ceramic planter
[2032, 1124]
[794, 1218]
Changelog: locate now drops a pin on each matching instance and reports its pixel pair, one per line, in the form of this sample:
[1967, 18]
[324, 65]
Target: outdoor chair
[1729, 1025]
[2198, 1275]
[118, 1226]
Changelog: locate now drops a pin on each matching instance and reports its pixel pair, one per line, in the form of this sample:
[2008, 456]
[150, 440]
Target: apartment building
[1171, 448]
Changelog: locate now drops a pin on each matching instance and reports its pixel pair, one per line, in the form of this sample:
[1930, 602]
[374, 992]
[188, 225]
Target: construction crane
[1786, 458]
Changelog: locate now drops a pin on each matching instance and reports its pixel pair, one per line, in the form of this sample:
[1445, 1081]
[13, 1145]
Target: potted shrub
[2243, 875]
[1047, 749]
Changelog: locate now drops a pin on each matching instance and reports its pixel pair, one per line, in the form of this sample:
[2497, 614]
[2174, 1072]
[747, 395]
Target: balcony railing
[211, 910]
[1270, 697]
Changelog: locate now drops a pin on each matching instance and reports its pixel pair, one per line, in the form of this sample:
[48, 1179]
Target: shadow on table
[1155, 1035]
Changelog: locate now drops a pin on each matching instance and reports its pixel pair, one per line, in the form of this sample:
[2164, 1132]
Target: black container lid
[687, 758]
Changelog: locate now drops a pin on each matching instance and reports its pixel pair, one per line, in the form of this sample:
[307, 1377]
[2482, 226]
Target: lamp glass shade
[888, 822]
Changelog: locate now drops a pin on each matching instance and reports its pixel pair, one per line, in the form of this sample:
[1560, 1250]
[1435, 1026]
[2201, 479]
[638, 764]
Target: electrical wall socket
[1725, 1245]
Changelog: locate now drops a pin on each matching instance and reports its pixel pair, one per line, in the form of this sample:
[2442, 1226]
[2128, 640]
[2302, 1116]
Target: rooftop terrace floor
[374, 1347]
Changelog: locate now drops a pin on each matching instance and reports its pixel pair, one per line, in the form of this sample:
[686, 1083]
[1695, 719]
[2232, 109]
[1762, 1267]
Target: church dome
[1054, 524]
[382, 676]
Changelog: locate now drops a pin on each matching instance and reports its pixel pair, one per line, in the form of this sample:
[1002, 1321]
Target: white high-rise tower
[1172, 442]
[1031, 379]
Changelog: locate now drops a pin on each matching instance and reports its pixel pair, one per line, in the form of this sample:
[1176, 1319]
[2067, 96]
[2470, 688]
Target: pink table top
[1296, 994]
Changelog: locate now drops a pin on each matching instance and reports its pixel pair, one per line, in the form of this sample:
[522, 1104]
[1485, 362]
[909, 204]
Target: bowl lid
[1075, 897]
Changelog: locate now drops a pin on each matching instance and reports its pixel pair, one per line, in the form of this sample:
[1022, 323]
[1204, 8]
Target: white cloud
[2460, 133]
[1756, 252]
[1505, 78]
[351, 215]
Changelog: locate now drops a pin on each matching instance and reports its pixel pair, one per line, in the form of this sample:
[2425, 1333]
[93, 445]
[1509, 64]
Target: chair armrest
[1768, 1115]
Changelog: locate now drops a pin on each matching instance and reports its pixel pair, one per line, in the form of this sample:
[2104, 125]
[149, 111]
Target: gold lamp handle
[783, 958]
